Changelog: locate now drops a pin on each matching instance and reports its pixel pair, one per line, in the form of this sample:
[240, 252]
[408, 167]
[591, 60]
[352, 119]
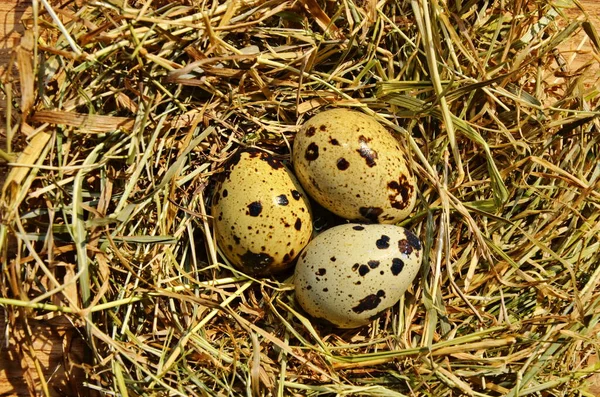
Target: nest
[121, 114]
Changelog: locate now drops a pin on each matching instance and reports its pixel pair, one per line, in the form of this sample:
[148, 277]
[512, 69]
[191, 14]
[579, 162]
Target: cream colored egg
[354, 167]
[262, 217]
[351, 273]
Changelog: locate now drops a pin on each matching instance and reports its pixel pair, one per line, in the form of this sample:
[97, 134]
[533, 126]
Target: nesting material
[122, 115]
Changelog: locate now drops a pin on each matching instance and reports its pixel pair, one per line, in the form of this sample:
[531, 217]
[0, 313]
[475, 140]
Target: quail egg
[262, 217]
[351, 165]
[350, 273]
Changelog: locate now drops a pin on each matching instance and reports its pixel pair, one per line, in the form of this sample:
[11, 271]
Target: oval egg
[262, 217]
[351, 165]
[350, 273]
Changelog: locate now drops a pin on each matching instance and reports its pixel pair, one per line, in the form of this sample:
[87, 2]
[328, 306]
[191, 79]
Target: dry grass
[130, 108]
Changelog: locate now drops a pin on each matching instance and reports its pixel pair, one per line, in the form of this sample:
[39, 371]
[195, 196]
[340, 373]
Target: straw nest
[120, 115]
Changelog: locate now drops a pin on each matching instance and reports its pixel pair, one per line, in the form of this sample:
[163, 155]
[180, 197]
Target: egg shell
[351, 165]
[350, 273]
[262, 217]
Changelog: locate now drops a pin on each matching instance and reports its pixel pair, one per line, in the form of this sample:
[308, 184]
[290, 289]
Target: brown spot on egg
[311, 131]
[323, 127]
[256, 263]
[373, 264]
[383, 242]
[363, 270]
[333, 259]
[312, 152]
[367, 153]
[397, 266]
[282, 200]
[371, 213]
[272, 161]
[225, 193]
[401, 192]
[334, 141]
[254, 208]
[369, 302]
[413, 240]
[236, 239]
[321, 271]
[298, 224]
[358, 227]
[296, 195]
[342, 164]
[405, 247]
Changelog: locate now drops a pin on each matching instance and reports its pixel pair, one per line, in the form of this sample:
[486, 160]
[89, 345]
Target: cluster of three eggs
[352, 166]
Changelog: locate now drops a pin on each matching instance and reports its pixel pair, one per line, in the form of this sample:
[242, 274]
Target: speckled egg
[354, 167]
[262, 217]
[351, 273]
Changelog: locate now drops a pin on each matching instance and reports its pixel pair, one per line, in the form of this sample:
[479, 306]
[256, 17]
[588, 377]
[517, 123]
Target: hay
[130, 108]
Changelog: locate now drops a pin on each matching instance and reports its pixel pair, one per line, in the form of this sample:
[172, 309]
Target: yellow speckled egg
[262, 217]
[354, 167]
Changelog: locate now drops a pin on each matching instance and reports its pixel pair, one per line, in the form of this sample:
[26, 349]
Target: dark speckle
[371, 213]
[369, 302]
[401, 192]
[342, 164]
[333, 259]
[282, 199]
[373, 264]
[355, 267]
[254, 208]
[405, 247]
[298, 224]
[303, 255]
[296, 195]
[272, 161]
[325, 289]
[334, 141]
[413, 240]
[366, 152]
[236, 239]
[358, 227]
[321, 272]
[312, 152]
[323, 127]
[383, 242]
[225, 193]
[308, 287]
[363, 270]
[286, 258]
[311, 131]
[397, 266]
[256, 263]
